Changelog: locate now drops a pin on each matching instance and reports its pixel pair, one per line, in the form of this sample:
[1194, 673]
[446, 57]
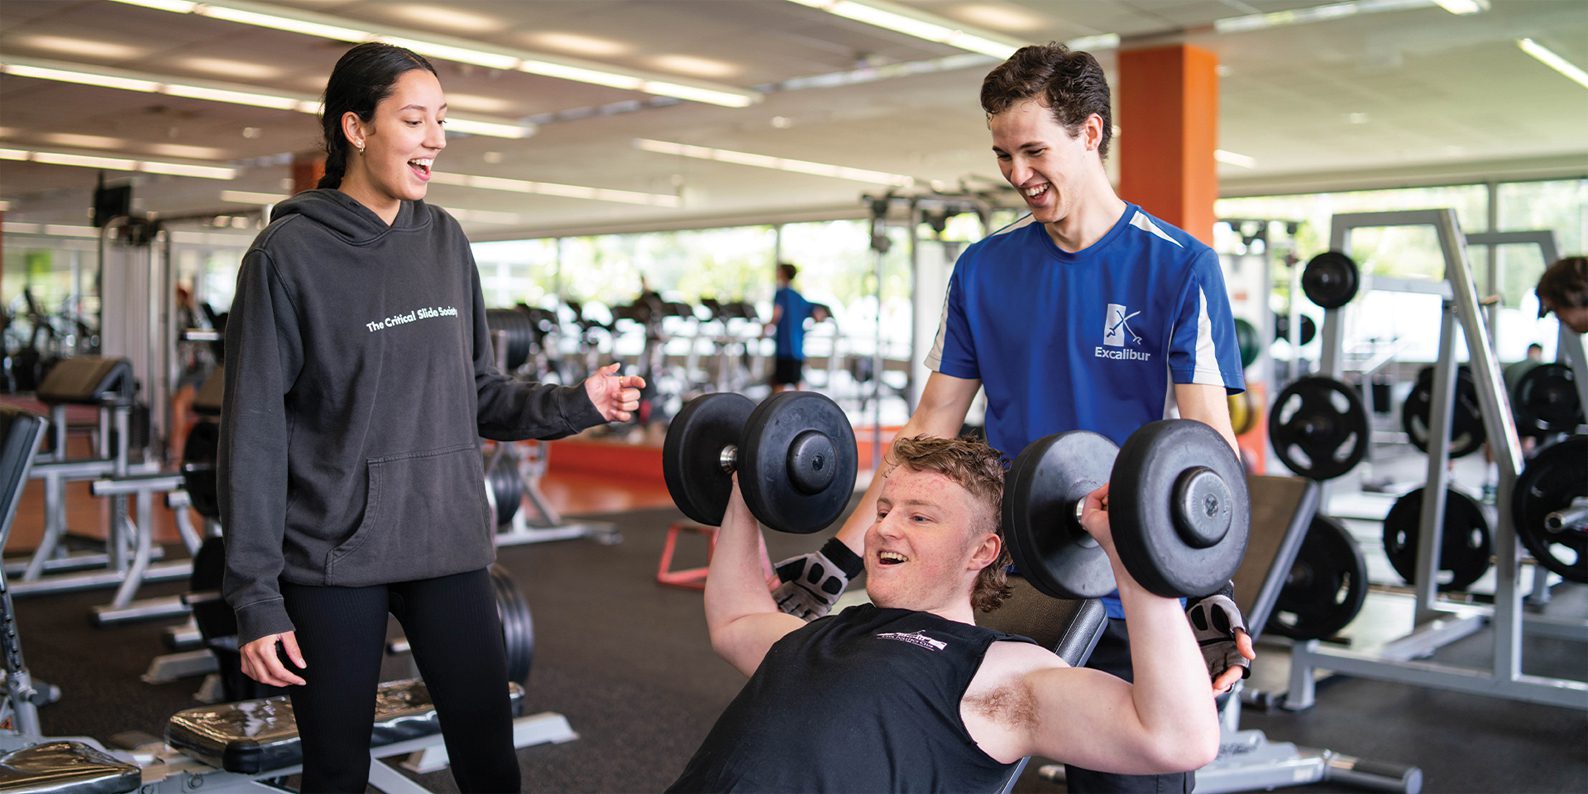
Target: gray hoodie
[358, 382]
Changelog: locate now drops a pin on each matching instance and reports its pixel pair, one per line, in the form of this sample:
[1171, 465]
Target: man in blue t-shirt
[1087, 314]
[789, 310]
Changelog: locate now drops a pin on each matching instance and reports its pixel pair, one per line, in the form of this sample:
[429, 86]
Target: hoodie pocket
[425, 516]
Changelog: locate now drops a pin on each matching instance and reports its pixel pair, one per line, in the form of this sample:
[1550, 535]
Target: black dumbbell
[1177, 503]
[794, 453]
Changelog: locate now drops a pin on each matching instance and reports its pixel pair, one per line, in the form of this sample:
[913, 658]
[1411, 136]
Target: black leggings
[451, 623]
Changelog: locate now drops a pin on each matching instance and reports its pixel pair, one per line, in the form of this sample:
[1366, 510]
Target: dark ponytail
[362, 78]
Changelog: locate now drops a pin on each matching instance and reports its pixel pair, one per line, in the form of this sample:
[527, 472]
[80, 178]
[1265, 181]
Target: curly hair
[1070, 84]
[979, 469]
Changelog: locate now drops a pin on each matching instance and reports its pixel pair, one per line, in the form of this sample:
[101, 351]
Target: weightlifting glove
[812, 583]
[1214, 621]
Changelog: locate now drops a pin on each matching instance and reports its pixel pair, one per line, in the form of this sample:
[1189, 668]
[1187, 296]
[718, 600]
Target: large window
[518, 271]
[1411, 322]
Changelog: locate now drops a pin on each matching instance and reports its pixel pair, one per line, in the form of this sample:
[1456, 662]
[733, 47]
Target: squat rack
[1439, 624]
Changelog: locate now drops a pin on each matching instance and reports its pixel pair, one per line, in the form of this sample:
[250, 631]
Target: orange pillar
[307, 168]
[1168, 111]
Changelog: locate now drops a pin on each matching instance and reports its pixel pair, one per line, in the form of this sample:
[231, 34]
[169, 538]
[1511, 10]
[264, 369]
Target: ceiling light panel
[460, 50]
[917, 24]
[106, 77]
[66, 45]
[1553, 60]
[107, 163]
[789, 165]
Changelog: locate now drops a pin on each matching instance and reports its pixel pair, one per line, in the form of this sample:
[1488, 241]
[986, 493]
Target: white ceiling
[1413, 94]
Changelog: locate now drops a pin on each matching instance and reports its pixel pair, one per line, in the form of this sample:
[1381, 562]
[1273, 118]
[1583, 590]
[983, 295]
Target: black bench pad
[253, 736]
[62, 767]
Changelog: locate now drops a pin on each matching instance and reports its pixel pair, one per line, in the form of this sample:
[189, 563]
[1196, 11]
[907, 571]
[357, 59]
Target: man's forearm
[735, 581]
[1170, 691]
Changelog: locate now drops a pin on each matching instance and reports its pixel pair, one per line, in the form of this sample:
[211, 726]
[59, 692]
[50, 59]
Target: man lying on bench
[907, 693]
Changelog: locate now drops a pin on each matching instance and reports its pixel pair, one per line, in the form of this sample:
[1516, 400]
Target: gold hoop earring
[360, 146]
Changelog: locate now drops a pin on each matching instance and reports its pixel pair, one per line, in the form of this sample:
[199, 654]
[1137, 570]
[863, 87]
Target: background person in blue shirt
[1087, 314]
[787, 328]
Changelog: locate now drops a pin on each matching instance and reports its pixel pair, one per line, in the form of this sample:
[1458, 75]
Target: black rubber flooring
[628, 663]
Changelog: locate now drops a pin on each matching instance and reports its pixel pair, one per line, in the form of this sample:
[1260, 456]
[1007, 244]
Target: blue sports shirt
[789, 336]
[1092, 340]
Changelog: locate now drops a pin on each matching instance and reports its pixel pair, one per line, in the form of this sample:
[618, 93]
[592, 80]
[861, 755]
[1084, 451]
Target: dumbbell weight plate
[1326, 587]
[1049, 548]
[1466, 419]
[1464, 546]
[797, 462]
[1246, 341]
[1178, 507]
[691, 462]
[199, 454]
[1545, 400]
[518, 625]
[1319, 427]
[1330, 279]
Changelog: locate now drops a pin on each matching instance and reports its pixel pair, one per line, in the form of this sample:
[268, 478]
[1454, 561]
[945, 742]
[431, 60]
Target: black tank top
[863, 701]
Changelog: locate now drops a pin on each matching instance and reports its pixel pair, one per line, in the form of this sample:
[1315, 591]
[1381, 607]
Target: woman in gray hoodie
[359, 380]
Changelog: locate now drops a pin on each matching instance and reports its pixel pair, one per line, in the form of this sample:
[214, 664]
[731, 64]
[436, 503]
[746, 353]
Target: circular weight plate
[798, 462]
[1243, 412]
[1143, 507]
[518, 626]
[209, 566]
[1318, 427]
[1466, 419]
[1326, 586]
[503, 487]
[1246, 340]
[1555, 478]
[1040, 491]
[1330, 279]
[1464, 547]
[1545, 400]
[692, 450]
[1309, 329]
[199, 453]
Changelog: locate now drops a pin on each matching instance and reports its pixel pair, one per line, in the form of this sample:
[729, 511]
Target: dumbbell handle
[728, 458]
[1082, 537]
[1570, 518]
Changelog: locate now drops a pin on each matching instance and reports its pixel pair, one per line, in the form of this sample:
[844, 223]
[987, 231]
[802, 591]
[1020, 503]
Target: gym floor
[627, 662]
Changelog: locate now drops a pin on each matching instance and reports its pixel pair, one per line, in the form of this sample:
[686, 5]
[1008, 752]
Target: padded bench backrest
[1282, 510]
[1069, 628]
[19, 437]
[86, 380]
